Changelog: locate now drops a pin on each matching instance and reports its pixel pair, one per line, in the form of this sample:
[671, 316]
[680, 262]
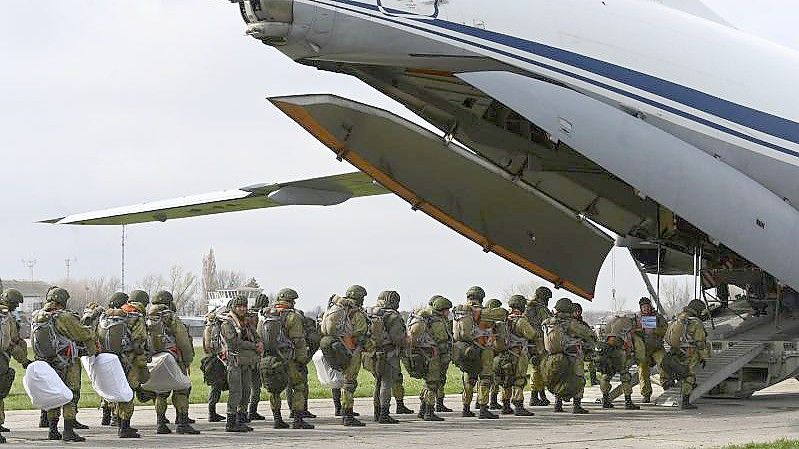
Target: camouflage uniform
[589, 351]
[355, 337]
[242, 346]
[66, 365]
[429, 335]
[496, 381]
[522, 336]
[17, 349]
[693, 349]
[649, 349]
[536, 312]
[616, 355]
[212, 347]
[261, 302]
[312, 337]
[386, 354]
[183, 350]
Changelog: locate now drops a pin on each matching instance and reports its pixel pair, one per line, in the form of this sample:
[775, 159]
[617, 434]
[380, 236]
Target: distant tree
[526, 289]
[209, 277]
[183, 285]
[151, 283]
[675, 294]
[315, 312]
[252, 283]
[226, 279]
[619, 305]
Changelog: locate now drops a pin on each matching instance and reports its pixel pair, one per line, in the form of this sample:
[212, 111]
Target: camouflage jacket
[240, 340]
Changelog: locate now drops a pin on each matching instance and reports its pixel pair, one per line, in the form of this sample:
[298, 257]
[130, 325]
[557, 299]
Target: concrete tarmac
[769, 415]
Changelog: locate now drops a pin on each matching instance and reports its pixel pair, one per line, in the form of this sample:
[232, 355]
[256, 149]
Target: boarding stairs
[717, 368]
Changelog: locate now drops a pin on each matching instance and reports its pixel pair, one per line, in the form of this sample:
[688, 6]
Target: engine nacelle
[268, 20]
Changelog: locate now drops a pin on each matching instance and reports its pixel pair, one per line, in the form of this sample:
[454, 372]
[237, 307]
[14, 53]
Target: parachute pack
[49, 344]
[312, 334]
[463, 322]
[212, 333]
[271, 328]
[558, 370]
[114, 332]
[5, 329]
[377, 326]
[677, 333]
[159, 332]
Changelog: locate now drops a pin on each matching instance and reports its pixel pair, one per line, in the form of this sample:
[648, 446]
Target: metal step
[718, 368]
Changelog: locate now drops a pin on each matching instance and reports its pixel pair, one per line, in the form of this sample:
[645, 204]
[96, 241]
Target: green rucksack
[271, 328]
[505, 368]
[49, 344]
[274, 373]
[466, 356]
[159, 332]
[336, 354]
[214, 372]
[559, 375]
[114, 333]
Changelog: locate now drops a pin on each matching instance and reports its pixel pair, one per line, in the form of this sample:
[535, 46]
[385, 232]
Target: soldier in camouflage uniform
[90, 318]
[282, 331]
[260, 303]
[536, 312]
[17, 349]
[312, 338]
[589, 350]
[692, 350]
[356, 339]
[493, 402]
[429, 334]
[242, 347]
[163, 306]
[522, 337]
[66, 324]
[445, 355]
[579, 337]
[212, 346]
[648, 342]
[133, 357]
[616, 355]
[386, 353]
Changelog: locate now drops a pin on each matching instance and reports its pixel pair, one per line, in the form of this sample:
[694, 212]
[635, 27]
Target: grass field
[779, 444]
[18, 399]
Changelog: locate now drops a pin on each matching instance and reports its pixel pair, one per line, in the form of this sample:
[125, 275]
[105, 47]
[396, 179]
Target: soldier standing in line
[537, 311]
[261, 302]
[16, 348]
[496, 381]
[388, 339]
[242, 346]
[430, 343]
[522, 337]
[688, 347]
[616, 356]
[589, 350]
[73, 341]
[648, 343]
[214, 371]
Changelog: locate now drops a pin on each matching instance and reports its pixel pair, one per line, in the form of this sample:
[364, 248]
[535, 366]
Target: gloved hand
[702, 363]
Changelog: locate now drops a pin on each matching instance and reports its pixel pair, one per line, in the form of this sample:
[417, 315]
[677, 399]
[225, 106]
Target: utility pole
[29, 264]
[123, 257]
[67, 264]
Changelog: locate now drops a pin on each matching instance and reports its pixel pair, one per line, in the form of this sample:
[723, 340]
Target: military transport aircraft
[655, 120]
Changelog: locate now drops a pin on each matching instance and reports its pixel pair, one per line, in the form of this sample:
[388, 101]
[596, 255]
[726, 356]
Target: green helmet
[12, 295]
[287, 295]
[564, 305]
[543, 294]
[163, 297]
[644, 300]
[261, 302]
[696, 305]
[240, 300]
[139, 296]
[388, 299]
[577, 307]
[475, 294]
[433, 299]
[517, 302]
[58, 295]
[117, 300]
[356, 292]
[493, 304]
[441, 303]
[154, 309]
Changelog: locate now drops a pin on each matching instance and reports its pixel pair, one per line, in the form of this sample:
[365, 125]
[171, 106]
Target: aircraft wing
[325, 191]
[458, 188]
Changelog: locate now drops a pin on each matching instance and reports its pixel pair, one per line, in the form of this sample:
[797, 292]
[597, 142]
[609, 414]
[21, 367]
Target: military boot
[686, 403]
[440, 407]
[43, 424]
[429, 414]
[69, 433]
[506, 410]
[125, 431]
[213, 416]
[76, 425]
[646, 399]
[519, 409]
[114, 420]
[162, 428]
[4, 428]
[337, 401]
[402, 410]
[254, 415]
[2, 439]
[594, 380]
[577, 407]
[422, 408]
[494, 405]
[188, 420]
[183, 426]
[486, 414]
[385, 417]
[278, 420]
[53, 434]
[106, 421]
[534, 400]
[543, 395]
[628, 403]
[349, 419]
[558, 404]
[467, 412]
[244, 418]
[232, 424]
[298, 422]
[606, 402]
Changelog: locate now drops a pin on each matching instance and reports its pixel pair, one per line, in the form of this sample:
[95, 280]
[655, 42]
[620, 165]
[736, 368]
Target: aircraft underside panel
[457, 188]
[729, 206]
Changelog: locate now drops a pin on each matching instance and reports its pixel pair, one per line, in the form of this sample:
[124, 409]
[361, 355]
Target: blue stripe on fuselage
[745, 116]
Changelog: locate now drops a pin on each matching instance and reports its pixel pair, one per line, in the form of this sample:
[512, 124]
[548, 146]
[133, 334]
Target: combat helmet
[287, 295]
[388, 299]
[118, 299]
[433, 299]
[261, 302]
[163, 297]
[12, 295]
[240, 300]
[543, 294]
[139, 296]
[58, 295]
[644, 300]
[493, 304]
[517, 302]
[696, 306]
[440, 303]
[564, 305]
[355, 292]
[475, 294]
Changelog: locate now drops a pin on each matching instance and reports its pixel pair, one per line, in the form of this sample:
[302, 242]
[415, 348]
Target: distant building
[33, 293]
[219, 298]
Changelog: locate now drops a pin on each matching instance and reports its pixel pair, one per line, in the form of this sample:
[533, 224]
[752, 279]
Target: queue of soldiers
[499, 351]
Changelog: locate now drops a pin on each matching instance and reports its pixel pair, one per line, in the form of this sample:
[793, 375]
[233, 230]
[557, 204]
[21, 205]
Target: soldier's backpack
[672, 368]
[505, 368]
[337, 355]
[212, 332]
[377, 327]
[312, 334]
[559, 375]
[336, 320]
[271, 328]
[677, 333]
[463, 322]
[214, 372]
[621, 327]
[49, 344]
[416, 361]
[5, 329]
[114, 333]
[274, 373]
[159, 333]
[466, 356]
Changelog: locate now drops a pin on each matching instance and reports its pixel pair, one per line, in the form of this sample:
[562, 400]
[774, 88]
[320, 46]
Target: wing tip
[51, 220]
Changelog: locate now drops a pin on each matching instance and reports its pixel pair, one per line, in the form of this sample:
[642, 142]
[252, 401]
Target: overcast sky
[107, 103]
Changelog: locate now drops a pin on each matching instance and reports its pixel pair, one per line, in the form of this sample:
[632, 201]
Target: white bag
[165, 375]
[46, 390]
[327, 376]
[107, 377]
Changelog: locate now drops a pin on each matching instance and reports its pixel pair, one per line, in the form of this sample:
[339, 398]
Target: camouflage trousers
[255, 387]
[537, 375]
[482, 381]
[239, 380]
[433, 386]
[387, 377]
[646, 357]
[691, 362]
[71, 378]
[398, 389]
[620, 362]
[180, 400]
[350, 381]
[6, 381]
[296, 389]
[444, 362]
[579, 371]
